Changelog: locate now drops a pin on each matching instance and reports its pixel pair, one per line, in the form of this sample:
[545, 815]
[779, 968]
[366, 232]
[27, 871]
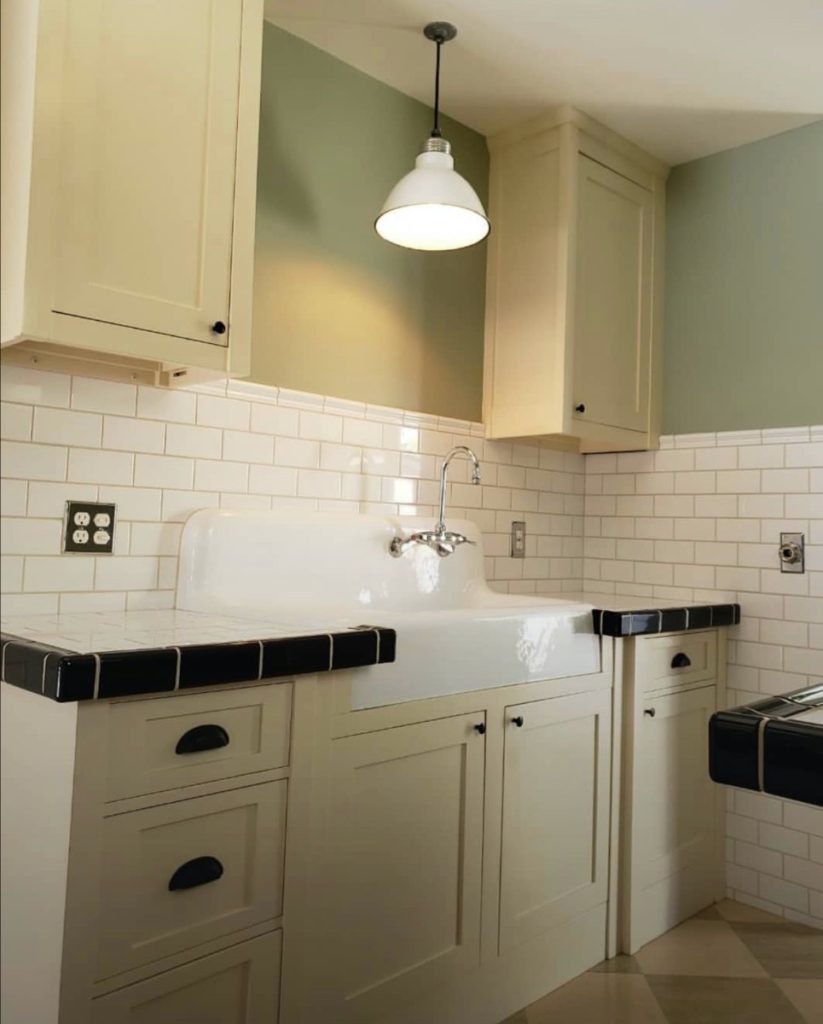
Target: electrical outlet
[518, 539]
[88, 527]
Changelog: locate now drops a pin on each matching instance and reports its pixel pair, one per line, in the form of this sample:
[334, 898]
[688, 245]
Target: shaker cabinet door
[555, 813]
[148, 128]
[402, 911]
[613, 304]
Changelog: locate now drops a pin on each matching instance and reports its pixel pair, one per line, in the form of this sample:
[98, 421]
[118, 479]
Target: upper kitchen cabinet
[574, 295]
[129, 170]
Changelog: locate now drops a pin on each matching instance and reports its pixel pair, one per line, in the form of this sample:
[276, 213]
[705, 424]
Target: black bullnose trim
[64, 675]
[772, 746]
[647, 621]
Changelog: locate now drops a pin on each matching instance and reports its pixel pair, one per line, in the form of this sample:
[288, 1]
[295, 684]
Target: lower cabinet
[555, 844]
[406, 828]
[672, 833]
[239, 985]
[450, 866]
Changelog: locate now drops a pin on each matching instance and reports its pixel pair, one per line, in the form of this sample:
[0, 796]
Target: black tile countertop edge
[644, 621]
[66, 676]
[771, 746]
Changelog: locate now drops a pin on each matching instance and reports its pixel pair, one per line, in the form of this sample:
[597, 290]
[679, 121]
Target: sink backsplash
[161, 454]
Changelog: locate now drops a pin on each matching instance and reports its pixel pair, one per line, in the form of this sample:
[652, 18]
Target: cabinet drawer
[239, 985]
[167, 742]
[667, 661]
[188, 872]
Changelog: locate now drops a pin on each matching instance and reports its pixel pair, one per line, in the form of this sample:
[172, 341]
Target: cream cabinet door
[613, 301]
[673, 859]
[148, 131]
[406, 814]
[239, 985]
[555, 813]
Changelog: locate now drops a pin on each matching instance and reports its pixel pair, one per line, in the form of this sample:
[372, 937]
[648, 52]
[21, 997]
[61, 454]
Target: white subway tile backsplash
[216, 411]
[213, 475]
[103, 396]
[167, 405]
[100, 467]
[163, 471]
[30, 536]
[57, 574]
[13, 497]
[196, 442]
[126, 573]
[26, 461]
[16, 422]
[243, 446]
[133, 435]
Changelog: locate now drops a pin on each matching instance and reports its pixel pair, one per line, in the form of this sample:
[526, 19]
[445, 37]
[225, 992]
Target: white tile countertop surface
[138, 630]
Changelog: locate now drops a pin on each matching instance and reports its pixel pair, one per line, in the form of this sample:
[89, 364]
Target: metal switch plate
[792, 552]
[518, 539]
[88, 528]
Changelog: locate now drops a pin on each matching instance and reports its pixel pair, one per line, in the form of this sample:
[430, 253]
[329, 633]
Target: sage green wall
[744, 294]
[336, 309]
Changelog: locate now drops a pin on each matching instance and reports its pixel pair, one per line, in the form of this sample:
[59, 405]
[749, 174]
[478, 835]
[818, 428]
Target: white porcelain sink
[321, 571]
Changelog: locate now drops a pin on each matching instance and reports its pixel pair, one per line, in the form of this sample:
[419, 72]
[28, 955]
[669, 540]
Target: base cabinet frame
[462, 951]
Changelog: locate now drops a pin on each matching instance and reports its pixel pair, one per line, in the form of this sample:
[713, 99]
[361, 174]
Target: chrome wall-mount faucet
[441, 540]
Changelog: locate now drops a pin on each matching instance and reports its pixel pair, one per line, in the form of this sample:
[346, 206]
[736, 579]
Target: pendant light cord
[436, 127]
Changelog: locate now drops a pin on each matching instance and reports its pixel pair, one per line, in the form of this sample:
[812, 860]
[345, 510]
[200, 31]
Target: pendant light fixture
[433, 207]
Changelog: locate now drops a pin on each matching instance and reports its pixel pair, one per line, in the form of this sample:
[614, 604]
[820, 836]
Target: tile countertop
[626, 615]
[115, 654]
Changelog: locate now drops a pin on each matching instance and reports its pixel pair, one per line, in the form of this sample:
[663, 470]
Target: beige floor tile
[689, 1000]
[618, 965]
[786, 950]
[599, 999]
[709, 914]
[706, 948]
[731, 910]
[807, 996]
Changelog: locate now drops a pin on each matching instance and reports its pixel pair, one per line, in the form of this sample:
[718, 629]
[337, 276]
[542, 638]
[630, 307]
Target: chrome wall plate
[518, 549]
[792, 552]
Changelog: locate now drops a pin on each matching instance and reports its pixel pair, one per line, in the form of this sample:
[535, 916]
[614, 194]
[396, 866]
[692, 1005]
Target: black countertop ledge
[102, 655]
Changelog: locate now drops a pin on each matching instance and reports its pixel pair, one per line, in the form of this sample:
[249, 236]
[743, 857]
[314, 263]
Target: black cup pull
[218, 327]
[518, 721]
[681, 660]
[199, 871]
[202, 737]
[650, 712]
[480, 727]
[580, 407]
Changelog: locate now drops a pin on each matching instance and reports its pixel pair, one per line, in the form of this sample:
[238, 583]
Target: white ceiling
[682, 78]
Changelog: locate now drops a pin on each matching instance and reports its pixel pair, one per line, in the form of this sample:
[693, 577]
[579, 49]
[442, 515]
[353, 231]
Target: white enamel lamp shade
[433, 207]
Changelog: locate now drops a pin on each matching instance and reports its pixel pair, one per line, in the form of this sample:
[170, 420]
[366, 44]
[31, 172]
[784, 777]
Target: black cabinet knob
[199, 871]
[580, 408]
[518, 721]
[650, 712]
[202, 737]
[480, 727]
[218, 327]
[681, 660]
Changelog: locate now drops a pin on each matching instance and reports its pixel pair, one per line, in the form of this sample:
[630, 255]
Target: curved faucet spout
[440, 540]
[463, 450]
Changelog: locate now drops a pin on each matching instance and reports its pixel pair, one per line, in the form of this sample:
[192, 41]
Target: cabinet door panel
[555, 813]
[674, 799]
[612, 334]
[406, 810]
[150, 103]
